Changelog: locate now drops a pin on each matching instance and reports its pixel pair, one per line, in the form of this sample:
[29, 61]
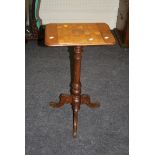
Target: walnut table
[77, 35]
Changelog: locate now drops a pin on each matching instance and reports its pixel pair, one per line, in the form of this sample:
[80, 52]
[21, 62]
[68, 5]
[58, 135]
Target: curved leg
[64, 99]
[75, 122]
[85, 99]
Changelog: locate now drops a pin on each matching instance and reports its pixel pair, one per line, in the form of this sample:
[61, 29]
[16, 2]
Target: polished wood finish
[75, 98]
[77, 35]
[83, 34]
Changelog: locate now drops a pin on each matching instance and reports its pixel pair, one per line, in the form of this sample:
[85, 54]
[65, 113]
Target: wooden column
[76, 86]
[75, 98]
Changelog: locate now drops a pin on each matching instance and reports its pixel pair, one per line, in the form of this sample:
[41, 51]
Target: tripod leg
[75, 121]
[64, 99]
[85, 99]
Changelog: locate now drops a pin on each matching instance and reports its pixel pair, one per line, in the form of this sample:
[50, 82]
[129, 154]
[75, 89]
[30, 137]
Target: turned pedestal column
[75, 98]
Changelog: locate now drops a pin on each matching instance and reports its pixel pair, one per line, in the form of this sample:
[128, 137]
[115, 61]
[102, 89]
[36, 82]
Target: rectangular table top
[78, 34]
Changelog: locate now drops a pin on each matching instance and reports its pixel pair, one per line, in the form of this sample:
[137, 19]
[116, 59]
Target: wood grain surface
[80, 34]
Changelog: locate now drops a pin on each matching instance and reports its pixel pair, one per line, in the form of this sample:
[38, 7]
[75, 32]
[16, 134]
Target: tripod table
[77, 35]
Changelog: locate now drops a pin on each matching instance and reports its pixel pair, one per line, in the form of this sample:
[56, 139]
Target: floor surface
[104, 76]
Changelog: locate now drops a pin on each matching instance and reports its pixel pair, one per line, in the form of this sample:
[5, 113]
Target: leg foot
[75, 121]
[85, 99]
[64, 99]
